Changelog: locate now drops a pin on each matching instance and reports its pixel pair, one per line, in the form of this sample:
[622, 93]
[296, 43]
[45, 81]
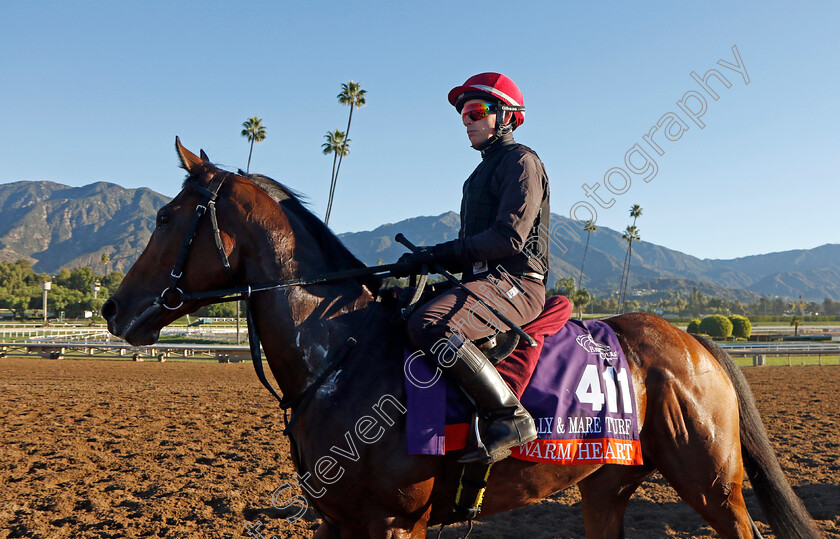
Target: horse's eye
[162, 219]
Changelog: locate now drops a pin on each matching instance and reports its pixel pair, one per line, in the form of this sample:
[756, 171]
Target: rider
[502, 251]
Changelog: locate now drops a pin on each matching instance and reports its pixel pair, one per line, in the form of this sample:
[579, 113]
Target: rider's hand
[442, 253]
[423, 255]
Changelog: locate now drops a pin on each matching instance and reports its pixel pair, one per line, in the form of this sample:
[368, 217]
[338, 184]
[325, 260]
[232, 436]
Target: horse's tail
[785, 511]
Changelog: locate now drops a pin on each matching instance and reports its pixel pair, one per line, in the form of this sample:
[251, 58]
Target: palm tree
[795, 321]
[352, 95]
[580, 297]
[635, 213]
[255, 132]
[631, 234]
[565, 287]
[339, 145]
[589, 227]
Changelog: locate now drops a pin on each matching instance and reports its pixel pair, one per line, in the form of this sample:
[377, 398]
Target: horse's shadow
[272, 513]
[556, 519]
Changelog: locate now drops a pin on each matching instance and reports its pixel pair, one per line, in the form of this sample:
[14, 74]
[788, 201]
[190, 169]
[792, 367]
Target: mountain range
[813, 274]
[55, 226]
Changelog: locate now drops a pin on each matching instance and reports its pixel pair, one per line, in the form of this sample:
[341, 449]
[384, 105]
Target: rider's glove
[445, 254]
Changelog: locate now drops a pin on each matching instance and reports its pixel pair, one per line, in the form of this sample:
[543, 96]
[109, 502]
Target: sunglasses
[477, 111]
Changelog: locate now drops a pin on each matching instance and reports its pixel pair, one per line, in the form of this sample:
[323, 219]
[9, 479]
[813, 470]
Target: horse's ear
[189, 160]
[203, 156]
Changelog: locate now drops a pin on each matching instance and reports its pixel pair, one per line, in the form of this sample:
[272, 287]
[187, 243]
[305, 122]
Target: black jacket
[505, 212]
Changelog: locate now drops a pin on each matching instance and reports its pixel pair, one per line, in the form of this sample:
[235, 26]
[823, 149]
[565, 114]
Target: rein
[244, 292]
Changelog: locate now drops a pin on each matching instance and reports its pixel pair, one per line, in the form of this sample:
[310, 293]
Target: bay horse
[699, 426]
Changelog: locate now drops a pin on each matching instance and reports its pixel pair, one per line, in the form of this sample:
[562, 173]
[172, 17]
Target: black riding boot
[507, 423]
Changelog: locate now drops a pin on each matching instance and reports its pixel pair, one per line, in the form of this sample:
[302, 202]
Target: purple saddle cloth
[580, 396]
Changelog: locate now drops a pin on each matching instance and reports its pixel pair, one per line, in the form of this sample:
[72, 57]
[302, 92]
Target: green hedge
[741, 326]
[716, 325]
[693, 326]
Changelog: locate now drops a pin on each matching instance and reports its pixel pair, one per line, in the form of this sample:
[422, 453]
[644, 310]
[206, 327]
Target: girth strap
[470, 491]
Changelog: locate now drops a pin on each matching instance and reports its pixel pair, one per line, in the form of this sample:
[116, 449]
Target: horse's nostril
[109, 309]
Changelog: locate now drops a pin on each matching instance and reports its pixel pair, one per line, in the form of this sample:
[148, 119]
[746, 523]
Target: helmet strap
[502, 128]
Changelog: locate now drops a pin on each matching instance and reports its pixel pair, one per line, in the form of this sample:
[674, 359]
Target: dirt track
[122, 449]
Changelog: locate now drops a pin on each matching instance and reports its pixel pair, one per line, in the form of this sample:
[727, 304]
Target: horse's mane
[337, 253]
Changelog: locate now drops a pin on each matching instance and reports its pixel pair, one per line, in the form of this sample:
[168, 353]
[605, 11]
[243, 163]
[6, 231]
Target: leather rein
[174, 292]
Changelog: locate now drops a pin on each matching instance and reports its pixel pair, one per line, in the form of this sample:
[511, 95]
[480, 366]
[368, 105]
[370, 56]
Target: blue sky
[97, 91]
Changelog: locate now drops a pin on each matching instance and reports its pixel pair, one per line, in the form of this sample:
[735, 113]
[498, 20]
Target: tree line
[694, 304]
[71, 291]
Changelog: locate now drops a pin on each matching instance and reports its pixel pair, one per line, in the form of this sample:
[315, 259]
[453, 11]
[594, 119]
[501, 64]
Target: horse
[699, 426]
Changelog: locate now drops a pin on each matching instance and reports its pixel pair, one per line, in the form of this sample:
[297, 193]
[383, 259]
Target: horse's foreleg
[376, 527]
[377, 530]
[397, 529]
[605, 494]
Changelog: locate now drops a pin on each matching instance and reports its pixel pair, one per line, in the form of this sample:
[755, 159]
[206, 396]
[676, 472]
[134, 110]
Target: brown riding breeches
[520, 299]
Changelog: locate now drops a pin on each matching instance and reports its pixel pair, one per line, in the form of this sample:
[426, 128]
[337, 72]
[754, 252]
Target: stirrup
[476, 452]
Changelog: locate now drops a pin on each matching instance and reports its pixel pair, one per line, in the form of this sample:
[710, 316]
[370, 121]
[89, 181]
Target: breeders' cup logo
[604, 352]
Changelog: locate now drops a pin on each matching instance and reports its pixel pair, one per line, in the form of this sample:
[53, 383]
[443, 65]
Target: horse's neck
[303, 327]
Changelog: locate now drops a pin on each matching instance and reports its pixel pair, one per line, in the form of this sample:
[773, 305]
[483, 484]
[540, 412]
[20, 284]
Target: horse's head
[255, 223]
[182, 253]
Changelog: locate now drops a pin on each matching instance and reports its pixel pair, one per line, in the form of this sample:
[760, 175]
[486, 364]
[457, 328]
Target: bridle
[208, 205]
[210, 194]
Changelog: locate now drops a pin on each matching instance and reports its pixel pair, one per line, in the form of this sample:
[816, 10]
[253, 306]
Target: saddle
[498, 347]
[517, 371]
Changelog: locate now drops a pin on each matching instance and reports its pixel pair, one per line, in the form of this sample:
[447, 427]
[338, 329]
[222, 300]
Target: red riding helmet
[492, 86]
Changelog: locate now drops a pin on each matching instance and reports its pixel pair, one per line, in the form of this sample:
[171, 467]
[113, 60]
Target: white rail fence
[59, 341]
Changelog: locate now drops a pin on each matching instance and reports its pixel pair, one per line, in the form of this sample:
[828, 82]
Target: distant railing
[760, 350]
[798, 348]
[32, 333]
[76, 333]
[56, 341]
[118, 350]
